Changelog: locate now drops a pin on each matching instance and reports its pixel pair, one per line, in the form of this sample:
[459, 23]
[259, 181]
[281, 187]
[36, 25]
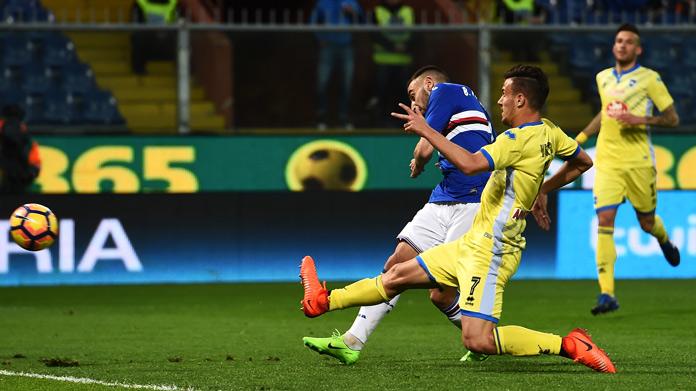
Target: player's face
[626, 47]
[507, 102]
[418, 94]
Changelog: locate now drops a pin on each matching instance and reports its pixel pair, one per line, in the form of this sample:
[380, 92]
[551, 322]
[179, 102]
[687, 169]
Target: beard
[626, 61]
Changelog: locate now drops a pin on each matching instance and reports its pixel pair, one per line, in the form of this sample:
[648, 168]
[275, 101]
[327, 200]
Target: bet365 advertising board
[273, 163]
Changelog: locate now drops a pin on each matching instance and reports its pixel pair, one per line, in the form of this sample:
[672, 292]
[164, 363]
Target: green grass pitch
[248, 337]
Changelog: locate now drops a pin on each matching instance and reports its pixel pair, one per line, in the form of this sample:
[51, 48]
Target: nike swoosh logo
[335, 347]
[589, 347]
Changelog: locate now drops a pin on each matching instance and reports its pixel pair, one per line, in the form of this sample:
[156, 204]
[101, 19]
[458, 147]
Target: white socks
[366, 322]
[369, 317]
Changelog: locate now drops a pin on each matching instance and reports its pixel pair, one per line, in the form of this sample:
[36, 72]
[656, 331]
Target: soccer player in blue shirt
[454, 111]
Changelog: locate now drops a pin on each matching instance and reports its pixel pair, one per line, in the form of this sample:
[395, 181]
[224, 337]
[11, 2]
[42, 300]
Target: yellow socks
[364, 292]
[518, 341]
[659, 231]
[606, 258]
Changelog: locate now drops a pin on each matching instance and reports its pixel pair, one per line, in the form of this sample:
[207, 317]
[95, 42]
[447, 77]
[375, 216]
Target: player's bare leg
[446, 299]
[606, 259]
[653, 225]
[483, 336]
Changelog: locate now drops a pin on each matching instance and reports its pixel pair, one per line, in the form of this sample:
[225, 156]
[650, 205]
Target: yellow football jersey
[520, 158]
[636, 90]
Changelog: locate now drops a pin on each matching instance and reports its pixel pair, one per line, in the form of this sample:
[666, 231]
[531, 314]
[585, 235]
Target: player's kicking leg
[317, 300]
[347, 347]
[427, 229]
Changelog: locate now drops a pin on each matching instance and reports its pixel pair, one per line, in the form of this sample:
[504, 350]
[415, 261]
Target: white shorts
[438, 223]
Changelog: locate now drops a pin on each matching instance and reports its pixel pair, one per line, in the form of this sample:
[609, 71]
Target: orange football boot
[581, 349]
[316, 298]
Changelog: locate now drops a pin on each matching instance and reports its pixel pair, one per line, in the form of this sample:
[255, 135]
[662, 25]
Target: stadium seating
[45, 68]
[24, 11]
[100, 107]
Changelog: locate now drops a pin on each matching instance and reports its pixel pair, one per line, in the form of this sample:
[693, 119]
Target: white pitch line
[86, 380]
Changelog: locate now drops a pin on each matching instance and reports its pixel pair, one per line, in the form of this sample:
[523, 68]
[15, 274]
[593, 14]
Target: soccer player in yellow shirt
[483, 260]
[625, 161]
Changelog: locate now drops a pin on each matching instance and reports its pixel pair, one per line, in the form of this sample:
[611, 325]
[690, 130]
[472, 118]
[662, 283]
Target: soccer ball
[326, 169]
[33, 227]
[326, 165]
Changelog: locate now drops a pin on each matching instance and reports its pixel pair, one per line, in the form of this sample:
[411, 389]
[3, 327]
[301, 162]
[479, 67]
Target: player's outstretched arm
[464, 160]
[568, 172]
[590, 130]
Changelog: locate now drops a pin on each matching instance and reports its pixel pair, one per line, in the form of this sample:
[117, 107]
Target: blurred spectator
[152, 45]
[515, 11]
[392, 57]
[19, 154]
[524, 47]
[477, 11]
[335, 51]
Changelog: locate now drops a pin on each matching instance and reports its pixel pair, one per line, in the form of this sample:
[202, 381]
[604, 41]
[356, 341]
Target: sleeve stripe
[573, 155]
[491, 163]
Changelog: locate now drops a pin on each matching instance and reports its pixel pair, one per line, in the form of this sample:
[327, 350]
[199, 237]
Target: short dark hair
[628, 27]
[431, 70]
[531, 82]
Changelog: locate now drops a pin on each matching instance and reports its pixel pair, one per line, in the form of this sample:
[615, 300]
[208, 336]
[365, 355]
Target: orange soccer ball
[33, 227]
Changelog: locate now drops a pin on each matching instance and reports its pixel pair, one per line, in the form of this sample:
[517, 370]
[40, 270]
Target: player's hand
[416, 169]
[414, 121]
[540, 213]
[629, 119]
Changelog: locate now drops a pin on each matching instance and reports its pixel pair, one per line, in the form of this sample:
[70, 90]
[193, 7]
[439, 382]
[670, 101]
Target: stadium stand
[147, 102]
[72, 79]
[38, 72]
[84, 79]
[42, 73]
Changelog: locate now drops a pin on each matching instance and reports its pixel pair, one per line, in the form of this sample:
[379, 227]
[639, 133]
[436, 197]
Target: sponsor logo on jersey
[616, 108]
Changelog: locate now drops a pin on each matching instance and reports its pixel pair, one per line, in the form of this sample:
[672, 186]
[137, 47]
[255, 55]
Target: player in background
[482, 261]
[455, 112]
[625, 159]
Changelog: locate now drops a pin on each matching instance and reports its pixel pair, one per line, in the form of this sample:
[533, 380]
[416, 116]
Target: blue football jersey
[456, 112]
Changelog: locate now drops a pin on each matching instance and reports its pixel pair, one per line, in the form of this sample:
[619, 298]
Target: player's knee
[605, 220]
[478, 343]
[647, 224]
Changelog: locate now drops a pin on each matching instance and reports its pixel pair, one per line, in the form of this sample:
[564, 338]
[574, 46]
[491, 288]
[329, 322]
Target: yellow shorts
[613, 185]
[480, 275]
